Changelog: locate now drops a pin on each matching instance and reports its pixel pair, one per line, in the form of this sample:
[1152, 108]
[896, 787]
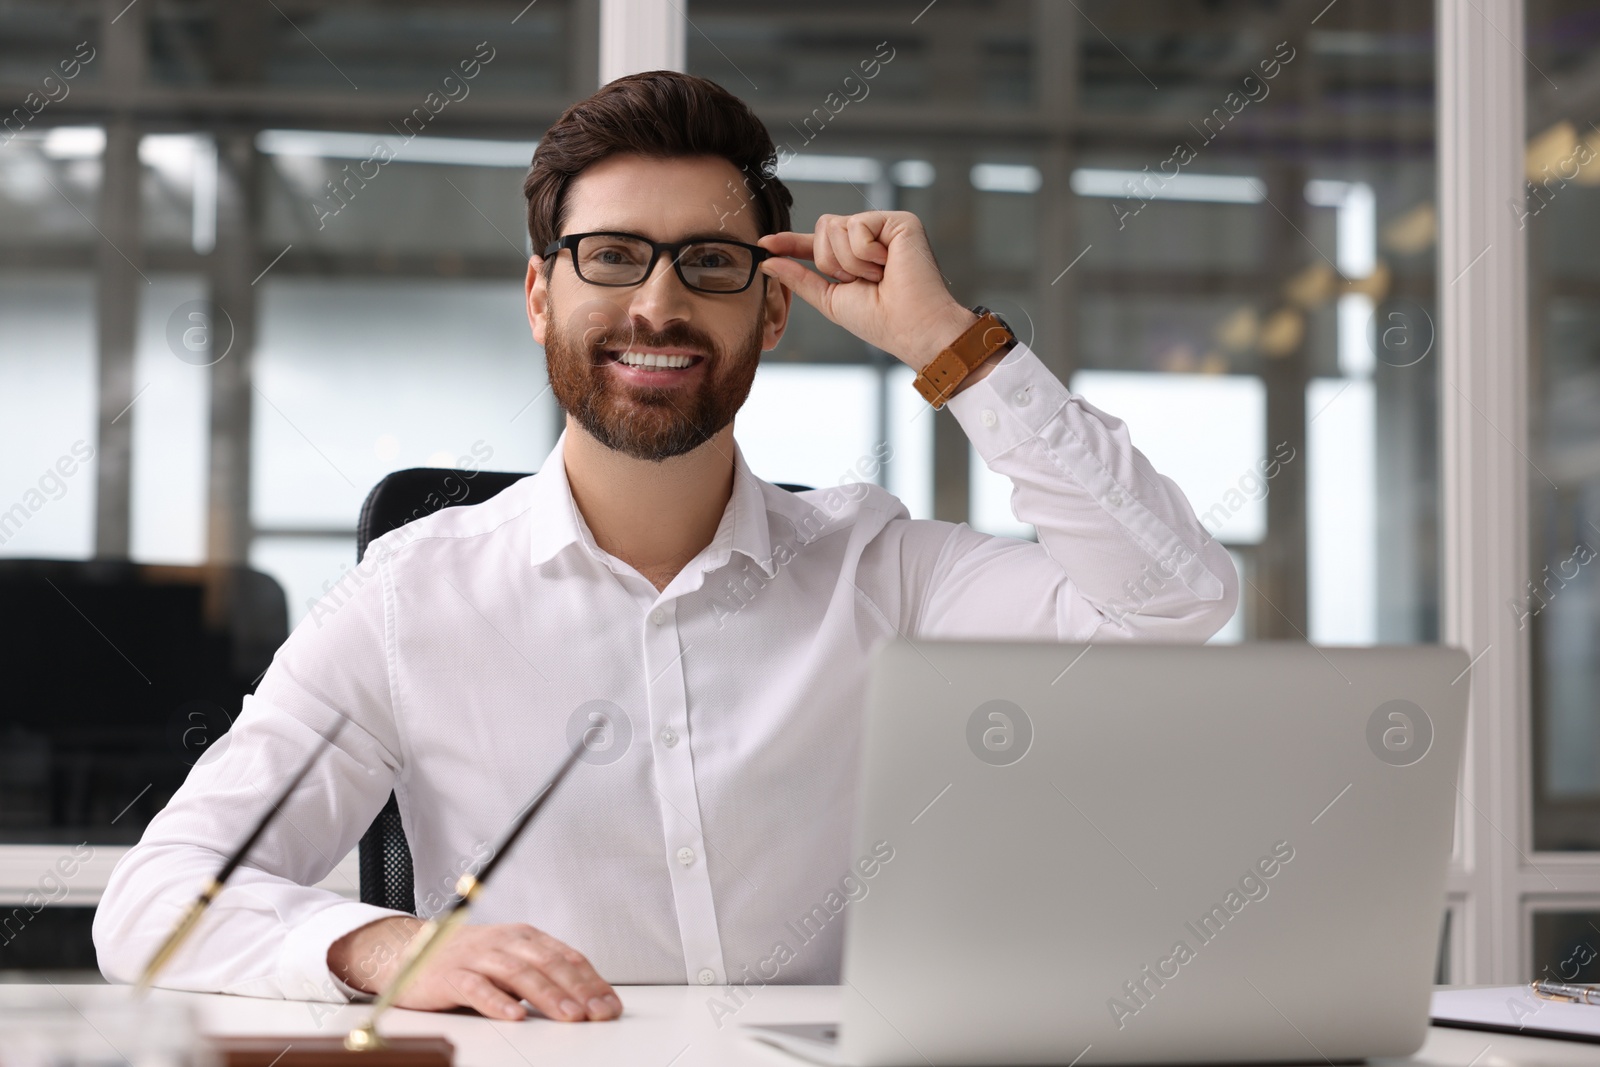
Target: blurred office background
[1217, 221]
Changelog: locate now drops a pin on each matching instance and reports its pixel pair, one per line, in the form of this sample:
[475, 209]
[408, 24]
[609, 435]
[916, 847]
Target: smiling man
[706, 828]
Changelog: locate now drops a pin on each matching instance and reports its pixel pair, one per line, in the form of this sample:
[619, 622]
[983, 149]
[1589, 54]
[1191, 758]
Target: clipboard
[1513, 1009]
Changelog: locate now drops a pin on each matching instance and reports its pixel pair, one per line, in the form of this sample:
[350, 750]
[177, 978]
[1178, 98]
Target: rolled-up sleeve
[1120, 553]
[267, 933]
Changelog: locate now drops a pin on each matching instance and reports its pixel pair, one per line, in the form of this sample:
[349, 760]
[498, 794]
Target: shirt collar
[557, 523]
[744, 527]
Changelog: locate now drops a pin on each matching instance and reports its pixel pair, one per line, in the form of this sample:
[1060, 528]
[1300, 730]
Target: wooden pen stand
[293, 1051]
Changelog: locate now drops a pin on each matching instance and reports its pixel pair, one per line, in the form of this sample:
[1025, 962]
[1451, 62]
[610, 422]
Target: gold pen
[1566, 992]
[191, 915]
[431, 936]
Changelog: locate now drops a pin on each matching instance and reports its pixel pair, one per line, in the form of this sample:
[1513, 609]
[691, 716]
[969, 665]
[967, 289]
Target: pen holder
[295, 1051]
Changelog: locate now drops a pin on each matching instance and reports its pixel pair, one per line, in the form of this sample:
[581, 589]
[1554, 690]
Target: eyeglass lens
[715, 266]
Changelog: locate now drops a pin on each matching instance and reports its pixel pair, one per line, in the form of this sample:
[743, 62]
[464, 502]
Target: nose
[662, 298]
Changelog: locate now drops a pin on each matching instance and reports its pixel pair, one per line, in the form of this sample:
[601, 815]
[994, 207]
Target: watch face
[980, 311]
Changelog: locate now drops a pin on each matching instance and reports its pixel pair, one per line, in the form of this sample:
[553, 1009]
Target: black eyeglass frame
[674, 248]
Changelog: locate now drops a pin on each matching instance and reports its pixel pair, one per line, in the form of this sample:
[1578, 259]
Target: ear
[538, 296]
[776, 298]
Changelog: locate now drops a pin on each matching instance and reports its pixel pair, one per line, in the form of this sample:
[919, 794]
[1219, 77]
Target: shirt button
[686, 855]
[707, 976]
[988, 418]
[1022, 396]
[668, 738]
[1114, 498]
[658, 616]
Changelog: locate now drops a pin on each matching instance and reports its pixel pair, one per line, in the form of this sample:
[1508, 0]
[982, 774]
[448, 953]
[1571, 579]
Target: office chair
[385, 856]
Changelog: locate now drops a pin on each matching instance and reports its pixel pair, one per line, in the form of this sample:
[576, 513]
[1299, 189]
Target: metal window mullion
[118, 287]
[119, 283]
[637, 35]
[952, 231]
[232, 273]
[1057, 73]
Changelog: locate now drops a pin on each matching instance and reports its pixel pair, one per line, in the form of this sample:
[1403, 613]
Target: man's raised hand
[885, 288]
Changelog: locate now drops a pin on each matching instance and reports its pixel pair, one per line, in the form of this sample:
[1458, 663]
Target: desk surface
[663, 1026]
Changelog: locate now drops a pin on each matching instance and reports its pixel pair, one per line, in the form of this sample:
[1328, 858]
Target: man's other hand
[488, 968]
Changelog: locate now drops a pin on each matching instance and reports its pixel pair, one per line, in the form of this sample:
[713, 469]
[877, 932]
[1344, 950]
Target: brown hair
[658, 113]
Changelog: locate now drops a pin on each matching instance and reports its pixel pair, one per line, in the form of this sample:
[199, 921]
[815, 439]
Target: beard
[648, 423]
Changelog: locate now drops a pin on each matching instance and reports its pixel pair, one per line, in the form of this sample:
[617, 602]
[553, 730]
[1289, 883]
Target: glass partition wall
[1559, 606]
[253, 256]
[1216, 224]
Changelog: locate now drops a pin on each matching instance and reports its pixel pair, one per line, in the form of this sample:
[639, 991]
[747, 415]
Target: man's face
[586, 329]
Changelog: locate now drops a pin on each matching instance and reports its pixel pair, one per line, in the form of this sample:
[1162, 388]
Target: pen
[1563, 991]
[191, 916]
[433, 933]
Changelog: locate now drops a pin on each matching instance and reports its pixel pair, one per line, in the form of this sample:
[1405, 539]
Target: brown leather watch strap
[938, 380]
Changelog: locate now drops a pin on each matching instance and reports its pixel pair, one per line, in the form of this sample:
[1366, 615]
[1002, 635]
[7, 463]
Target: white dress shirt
[473, 647]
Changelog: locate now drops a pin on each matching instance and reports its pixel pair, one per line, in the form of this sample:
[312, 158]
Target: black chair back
[410, 494]
[387, 879]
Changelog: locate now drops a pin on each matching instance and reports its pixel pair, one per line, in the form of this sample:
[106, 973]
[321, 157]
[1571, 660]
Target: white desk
[670, 1026]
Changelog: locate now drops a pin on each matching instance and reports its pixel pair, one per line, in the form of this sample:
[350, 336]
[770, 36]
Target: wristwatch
[990, 334]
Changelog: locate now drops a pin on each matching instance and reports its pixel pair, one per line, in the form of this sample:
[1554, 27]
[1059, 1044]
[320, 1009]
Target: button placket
[679, 804]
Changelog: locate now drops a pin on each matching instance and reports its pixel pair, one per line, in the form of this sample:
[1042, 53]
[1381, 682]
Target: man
[705, 632]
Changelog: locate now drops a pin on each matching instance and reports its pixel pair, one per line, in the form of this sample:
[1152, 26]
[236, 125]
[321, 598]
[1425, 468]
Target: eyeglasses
[621, 259]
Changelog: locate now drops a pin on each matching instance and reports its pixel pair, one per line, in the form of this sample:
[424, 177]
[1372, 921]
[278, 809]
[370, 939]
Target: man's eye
[708, 258]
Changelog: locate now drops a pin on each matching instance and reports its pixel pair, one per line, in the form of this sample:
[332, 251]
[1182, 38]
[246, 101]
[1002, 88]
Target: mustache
[602, 327]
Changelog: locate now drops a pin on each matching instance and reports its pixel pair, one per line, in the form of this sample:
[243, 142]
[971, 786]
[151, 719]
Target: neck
[653, 516]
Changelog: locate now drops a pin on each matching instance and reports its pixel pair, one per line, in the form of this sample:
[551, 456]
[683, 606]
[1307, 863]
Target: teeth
[655, 359]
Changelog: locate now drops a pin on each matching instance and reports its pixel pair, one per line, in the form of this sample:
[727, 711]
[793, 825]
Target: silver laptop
[1147, 854]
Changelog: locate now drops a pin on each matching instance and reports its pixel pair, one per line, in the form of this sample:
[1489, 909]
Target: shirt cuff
[303, 966]
[1009, 405]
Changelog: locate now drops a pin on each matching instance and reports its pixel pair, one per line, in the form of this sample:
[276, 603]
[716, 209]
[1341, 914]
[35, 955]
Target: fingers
[571, 970]
[788, 243]
[483, 996]
[494, 969]
[864, 243]
[808, 285]
[564, 979]
[844, 248]
[519, 976]
[823, 253]
[834, 253]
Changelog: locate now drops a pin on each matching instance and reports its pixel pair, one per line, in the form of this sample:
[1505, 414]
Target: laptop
[1108, 854]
